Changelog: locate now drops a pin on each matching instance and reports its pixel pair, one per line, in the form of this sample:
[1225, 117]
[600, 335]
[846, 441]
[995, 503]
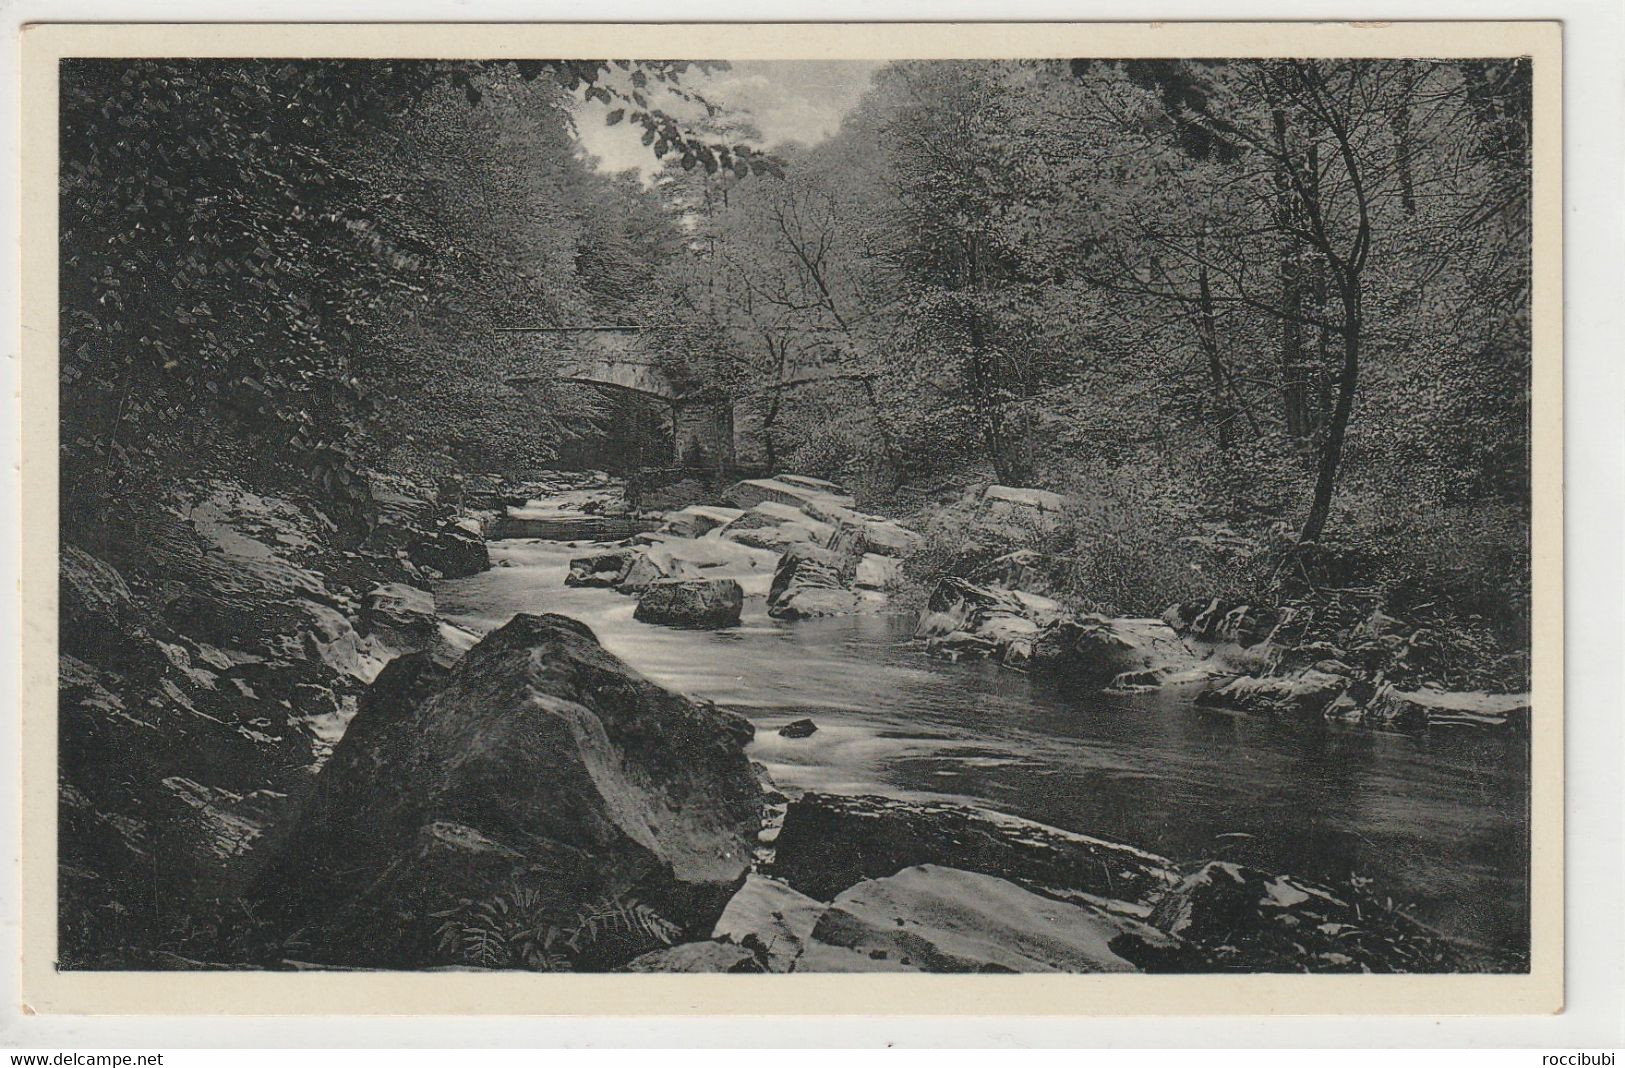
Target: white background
[1594, 106]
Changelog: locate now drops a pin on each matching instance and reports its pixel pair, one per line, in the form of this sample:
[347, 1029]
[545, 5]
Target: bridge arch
[612, 357]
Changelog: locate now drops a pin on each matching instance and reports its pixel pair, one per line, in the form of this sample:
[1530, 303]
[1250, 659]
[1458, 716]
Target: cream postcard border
[45, 990]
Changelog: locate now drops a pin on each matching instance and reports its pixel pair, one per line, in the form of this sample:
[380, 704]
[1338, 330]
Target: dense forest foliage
[1285, 300]
[297, 265]
[1265, 323]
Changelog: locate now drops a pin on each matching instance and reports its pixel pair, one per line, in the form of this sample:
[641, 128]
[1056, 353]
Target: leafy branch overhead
[623, 86]
[240, 238]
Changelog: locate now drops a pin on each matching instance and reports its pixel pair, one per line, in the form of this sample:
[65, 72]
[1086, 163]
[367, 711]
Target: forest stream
[1436, 821]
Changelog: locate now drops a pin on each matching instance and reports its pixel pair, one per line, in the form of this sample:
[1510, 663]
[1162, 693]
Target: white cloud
[797, 100]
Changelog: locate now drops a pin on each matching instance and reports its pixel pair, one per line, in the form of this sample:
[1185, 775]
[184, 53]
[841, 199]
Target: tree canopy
[1288, 293]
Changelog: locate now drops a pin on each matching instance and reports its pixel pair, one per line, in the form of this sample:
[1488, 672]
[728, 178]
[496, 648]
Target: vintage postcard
[997, 518]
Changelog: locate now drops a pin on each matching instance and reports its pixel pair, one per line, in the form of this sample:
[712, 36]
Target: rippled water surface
[1439, 822]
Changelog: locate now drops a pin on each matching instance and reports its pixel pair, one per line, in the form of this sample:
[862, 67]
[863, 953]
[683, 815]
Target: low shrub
[1135, 539]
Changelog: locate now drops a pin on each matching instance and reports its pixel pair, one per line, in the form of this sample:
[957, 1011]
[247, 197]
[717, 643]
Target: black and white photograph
[796, 516]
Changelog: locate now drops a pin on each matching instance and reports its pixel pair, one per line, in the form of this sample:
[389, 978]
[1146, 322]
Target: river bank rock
[479, 489]
[1024, 569]
[567, 768]
[212, 654]
[811, 581]
[1095, 650]
[1217, 622]
[939, 887]
[964, 619]
[402, 616]
[451, 550]
[204, 653]
[565, 527]
[818, 485]
[1305, 695]
[716, 958]
[698, 519]
[940, 919]
[831, 841]
[1227, 917]
[691, 603]
[1427, 708]
[777, 526]
[1022, 510]
[400, 511]
[1373, 670]
[795, 490]
[885, 537]
[771, 919]
[878, 573]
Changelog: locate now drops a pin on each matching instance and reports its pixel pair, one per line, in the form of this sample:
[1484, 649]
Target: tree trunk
[1223, 411]
[767, 433]
[1331, 455]
[1319, 376]
[1294, 385]
[1402, 156]
[777, 356]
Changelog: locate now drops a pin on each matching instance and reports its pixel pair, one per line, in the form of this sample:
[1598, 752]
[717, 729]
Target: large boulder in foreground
[691, 603]
[831, 841]
[541, 761]
[940, 919]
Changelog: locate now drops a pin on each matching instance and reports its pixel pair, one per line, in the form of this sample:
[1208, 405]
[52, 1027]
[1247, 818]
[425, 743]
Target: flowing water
[1439, 822]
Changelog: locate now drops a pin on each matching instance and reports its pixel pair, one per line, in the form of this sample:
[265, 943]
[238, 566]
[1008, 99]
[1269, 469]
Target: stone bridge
[615, 357]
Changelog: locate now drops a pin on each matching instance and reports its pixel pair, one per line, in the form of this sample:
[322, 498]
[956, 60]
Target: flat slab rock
[698, 519]
[691, 957]
[752, 491]
[939, 919]
[1024, 496]
[771, 918]
[1306, 694]
[831, 841]
[1417, 709]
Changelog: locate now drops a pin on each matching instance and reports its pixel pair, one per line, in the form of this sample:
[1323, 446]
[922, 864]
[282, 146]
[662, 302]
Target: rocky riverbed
[718, 738]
